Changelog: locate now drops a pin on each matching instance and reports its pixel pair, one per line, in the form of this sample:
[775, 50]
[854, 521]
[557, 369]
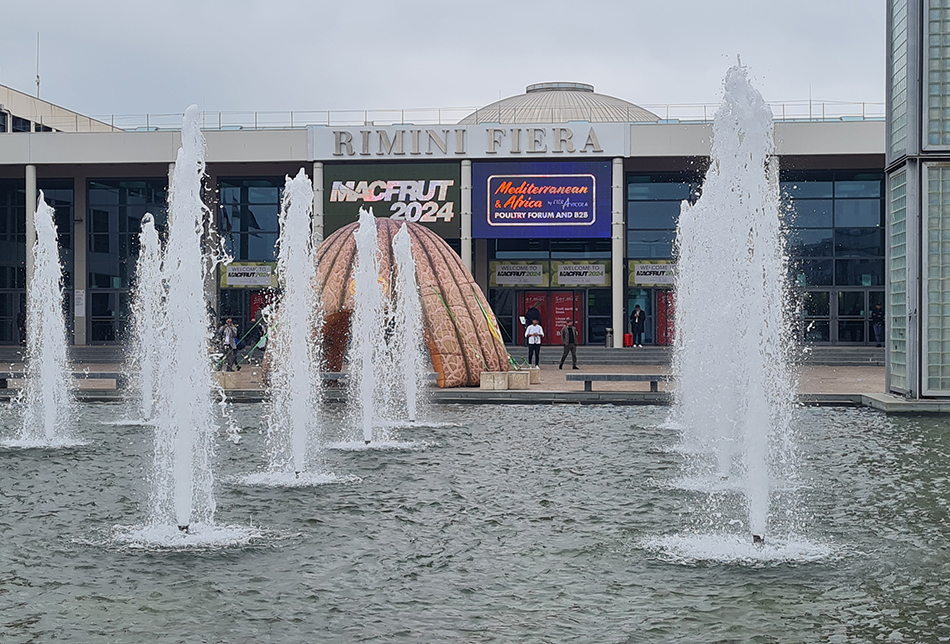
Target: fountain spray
[182, 490]
[367, 321]
[734, 388]
[293, 352]
[148, 314]
[406, 348]
[48, 399]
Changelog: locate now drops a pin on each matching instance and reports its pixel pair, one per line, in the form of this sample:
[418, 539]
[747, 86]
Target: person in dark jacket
[569, 340]
[637, 321]
[877, 323]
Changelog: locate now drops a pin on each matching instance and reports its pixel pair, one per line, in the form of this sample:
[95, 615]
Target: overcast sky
[102, 57]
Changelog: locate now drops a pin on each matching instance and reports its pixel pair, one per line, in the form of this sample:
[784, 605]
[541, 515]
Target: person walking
[637, 320]
[534, 333]
[877, 323]
[569, 340]
[228, 334]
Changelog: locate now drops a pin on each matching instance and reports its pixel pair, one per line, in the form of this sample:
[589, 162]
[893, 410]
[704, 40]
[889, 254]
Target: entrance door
[556, 308]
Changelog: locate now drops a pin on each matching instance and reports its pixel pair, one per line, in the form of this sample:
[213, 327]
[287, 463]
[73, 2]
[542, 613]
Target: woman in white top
[534, 333]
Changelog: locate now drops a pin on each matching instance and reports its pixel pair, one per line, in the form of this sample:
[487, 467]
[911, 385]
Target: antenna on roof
[37, 64]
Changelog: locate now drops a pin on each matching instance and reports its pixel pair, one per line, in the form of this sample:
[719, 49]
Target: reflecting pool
[496, 524]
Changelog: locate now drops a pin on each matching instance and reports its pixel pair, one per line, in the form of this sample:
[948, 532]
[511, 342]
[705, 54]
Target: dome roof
[559, 103]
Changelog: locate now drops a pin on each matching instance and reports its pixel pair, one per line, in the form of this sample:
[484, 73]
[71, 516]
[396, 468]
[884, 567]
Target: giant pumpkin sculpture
[460, 328]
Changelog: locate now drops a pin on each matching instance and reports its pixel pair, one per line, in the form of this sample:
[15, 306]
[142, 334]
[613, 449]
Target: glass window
[859, 241]
[851, 303]
[599, 301]
[813, 272]
[851, 331]
[817, 331]
[857, 187]
[816, 304]
[250, 206]
[859, 272]
[647, 191]
[653, 214]
[807, 189]
[519, 248]
[580, 248]
[814, 242]
[858, 212]
[20, 124]
[811, 213]
[650, 244]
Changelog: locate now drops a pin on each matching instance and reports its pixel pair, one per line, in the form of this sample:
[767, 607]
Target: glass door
[816, 317]
[852, 315]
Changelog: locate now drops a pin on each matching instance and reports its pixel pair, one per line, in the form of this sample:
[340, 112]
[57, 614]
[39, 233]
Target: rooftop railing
[785, 111]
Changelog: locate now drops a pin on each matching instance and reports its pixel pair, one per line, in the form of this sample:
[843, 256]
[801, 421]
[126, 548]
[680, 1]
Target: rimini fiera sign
[404, 142]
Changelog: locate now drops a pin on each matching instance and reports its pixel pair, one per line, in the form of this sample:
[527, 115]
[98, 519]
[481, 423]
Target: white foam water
[294, 357]
[182, 485]
[366, 326]
[148, 315]
[293, 479]
[734, 389]
[382, 445]
[408, 362]
[198, 537]
[687, 549]
[48, 402]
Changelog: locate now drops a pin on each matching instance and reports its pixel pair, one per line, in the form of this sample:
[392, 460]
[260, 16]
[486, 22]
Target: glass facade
[58, 194]
[897, 125]
[113, 222]
[938, 73]
[835, 242]
[897, 306]
[937, 271]
[248, 217]
[836, 251]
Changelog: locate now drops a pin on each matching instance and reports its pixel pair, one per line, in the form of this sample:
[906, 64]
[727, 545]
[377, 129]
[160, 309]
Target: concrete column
[481, 264]
[617, 254]
[466, 215]
[31, 202]
[317, 233]
[212, 238]
[80, 272]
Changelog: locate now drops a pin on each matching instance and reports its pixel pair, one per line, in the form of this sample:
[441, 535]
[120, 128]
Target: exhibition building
[561, 199]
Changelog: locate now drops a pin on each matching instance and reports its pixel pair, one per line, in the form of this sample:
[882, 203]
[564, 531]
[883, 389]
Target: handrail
[783, 111]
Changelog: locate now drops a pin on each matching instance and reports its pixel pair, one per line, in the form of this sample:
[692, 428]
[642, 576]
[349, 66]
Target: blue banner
[547, 200]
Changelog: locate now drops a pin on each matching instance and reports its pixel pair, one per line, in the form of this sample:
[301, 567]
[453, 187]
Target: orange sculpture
[460, 329]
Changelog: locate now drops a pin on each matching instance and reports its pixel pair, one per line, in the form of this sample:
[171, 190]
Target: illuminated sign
[425, 193]
[541, 200]
[528, 200]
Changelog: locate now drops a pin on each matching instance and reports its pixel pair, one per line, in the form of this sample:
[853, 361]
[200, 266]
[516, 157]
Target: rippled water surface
[497, 524]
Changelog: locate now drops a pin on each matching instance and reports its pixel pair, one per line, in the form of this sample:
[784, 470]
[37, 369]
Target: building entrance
[556, 309]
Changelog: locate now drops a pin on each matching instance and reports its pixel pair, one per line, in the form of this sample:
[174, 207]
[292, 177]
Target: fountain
[367, 324]
[48, 405]
[182, 490]
[407, 356]
[148, 315]
[734, 387]
[293, 353]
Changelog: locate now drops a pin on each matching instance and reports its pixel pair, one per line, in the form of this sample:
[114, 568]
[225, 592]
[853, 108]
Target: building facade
[559, 199]
[918, 197]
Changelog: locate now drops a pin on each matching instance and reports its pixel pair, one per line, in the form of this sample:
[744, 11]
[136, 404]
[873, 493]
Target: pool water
[495, 524]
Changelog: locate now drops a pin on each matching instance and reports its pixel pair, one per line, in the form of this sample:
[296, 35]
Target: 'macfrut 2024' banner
[548, 200]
